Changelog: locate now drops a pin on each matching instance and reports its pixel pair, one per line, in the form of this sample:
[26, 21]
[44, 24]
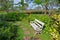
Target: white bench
[37, 25]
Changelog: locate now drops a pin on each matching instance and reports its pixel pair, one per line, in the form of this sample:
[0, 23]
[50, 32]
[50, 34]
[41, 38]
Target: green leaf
[37, 1]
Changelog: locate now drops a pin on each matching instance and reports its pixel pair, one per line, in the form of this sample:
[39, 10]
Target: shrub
[12, 16]
[57, 21]
[8, 31]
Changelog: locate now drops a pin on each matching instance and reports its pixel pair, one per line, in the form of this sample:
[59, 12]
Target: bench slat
[39, 22]
[38, 25]
[35, 27]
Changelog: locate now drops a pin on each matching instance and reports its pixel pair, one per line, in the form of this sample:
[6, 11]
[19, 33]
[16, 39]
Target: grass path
[28, 30]
[25, 27]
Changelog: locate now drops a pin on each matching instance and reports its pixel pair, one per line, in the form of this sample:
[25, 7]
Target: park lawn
[20, 33]
[26, 23]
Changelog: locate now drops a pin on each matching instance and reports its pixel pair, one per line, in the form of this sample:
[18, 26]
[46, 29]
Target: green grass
[44, 18]
[20, 34]
[45, 36]
[26, 24]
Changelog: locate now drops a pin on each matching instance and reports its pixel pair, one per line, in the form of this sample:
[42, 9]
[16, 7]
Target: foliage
[20, 34]
[22, 5]
[58, 1]
[8, 31]
[37, 1]
[12, 16]
[41, 17]
[6, 4]
[59, 8]
[56, 18]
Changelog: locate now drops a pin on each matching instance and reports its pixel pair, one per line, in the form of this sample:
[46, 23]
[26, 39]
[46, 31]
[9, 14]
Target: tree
[37, 1]
[58, 1]
[45, 4]
[22, 5]
[6, 4]
[42, 2]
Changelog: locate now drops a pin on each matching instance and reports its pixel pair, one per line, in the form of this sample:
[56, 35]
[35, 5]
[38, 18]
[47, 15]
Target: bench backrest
[37, 25]
[40, 22]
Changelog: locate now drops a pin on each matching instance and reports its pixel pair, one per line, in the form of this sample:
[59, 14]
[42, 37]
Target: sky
[16, 1]
[30, 6]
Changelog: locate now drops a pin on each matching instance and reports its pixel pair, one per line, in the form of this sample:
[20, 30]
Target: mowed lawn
[29, 31]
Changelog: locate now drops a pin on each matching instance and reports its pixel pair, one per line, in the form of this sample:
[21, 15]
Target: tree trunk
[46, 9]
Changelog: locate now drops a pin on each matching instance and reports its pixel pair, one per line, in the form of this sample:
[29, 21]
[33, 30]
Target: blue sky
[16, 1]
[30, 4]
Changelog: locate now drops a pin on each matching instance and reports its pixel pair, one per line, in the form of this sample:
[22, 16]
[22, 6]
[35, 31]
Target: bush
[57, 21]
[12, 16]
[8, 31]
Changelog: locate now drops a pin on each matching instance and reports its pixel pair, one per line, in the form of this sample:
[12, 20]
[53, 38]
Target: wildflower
[57, 23]
[54, 30]
[56, 39]
[50, 29]
[56, 36]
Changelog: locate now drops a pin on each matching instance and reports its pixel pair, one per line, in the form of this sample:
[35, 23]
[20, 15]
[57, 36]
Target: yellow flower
[54, 30]
[57, 23]
[52, 34]
[56, 39]
[56, 36]
[50, 29]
